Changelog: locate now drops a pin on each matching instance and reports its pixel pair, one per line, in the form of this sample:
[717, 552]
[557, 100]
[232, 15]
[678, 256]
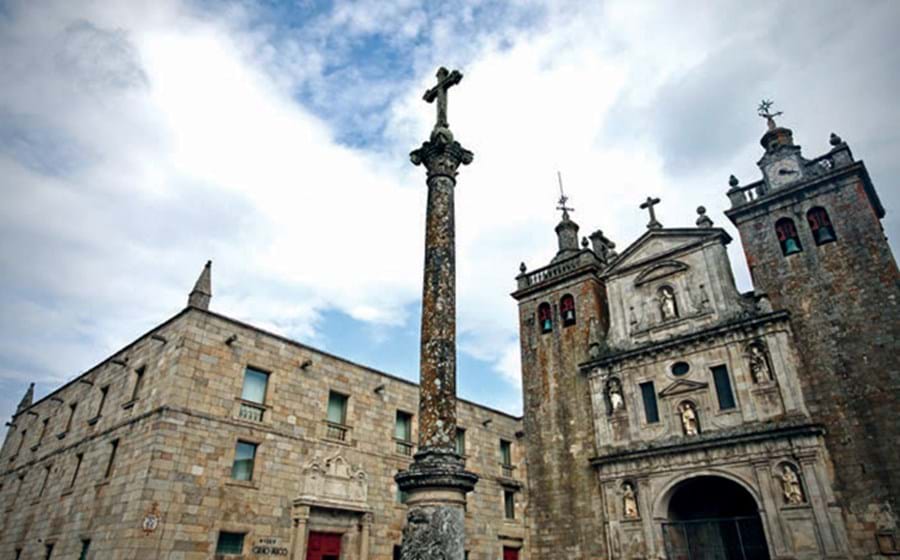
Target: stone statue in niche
[614, 394]
[689, 418]
[667, 308]
[790, 485]
[759, 364]
[629, 501]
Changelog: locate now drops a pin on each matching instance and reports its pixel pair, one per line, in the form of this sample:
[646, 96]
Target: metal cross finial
[446, 80]
[764, 110]
[563, 199]
[648, 205]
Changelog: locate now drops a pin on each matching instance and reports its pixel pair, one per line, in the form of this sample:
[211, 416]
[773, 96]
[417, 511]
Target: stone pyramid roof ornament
[26, 400]
[202, 291]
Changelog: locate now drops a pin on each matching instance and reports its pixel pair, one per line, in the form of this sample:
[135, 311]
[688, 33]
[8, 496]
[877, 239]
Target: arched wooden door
[323, 546]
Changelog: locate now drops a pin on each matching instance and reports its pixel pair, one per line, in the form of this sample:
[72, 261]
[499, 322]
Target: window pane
[85, 546]
[506, 452]
[403, 427]
[230, 543]
[649, 395]
[337, 408]
[509, 504]
[723, 387]
[255, 386]
[460, 441]
[244, 455]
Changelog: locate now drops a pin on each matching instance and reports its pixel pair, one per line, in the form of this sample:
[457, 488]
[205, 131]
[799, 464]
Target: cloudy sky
[139, 139]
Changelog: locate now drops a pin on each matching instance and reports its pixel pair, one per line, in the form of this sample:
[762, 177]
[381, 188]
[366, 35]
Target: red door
[323, 546]
[510, 553]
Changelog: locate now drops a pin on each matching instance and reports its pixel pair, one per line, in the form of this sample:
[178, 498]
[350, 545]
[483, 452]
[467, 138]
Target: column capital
[441, 154]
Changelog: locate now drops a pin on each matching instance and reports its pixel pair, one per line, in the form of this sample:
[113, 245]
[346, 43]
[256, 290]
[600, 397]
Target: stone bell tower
[562, 321]
[812, 234]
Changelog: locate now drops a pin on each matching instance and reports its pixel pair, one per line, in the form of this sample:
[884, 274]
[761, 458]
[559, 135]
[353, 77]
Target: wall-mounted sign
[269, 547]
[151, 519]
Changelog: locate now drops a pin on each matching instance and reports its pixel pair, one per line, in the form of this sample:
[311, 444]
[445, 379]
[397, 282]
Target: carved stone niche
[333, 482]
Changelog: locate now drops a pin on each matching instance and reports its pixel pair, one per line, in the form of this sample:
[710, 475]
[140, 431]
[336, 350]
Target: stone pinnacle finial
[202, 291]
[26, 400]
[835, 140]
[703, 221]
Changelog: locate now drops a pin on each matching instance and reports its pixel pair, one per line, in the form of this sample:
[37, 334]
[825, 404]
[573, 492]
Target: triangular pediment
[681, 387]
[663, 245]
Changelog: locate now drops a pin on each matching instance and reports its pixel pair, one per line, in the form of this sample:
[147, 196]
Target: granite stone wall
[844, 298]
[177, 447]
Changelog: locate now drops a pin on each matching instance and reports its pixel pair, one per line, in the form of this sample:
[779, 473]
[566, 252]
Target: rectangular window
[509, 504]
[460, 441]
[401, 496]
[44, 482]
[44, 425]
[21, 441]
[18, 553]
[72, 408]
[723, 388]
[337, 408]
[230, 543]
[114, 446]
[138, 381]
[104, 391]
[78, 459]
[255, 383]
[403, 433]
[85, 547]
[49, 552]
[397, 552]
[648, 393]
[244, 456]
[506, 464]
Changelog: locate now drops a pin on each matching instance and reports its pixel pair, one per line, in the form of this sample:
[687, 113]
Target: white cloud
[139, 139]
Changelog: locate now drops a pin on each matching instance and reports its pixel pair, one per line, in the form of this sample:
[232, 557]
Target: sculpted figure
[629, 501]
[667, 307]
[614, 391]
[759, 365]
[688, 419]
[790, 486]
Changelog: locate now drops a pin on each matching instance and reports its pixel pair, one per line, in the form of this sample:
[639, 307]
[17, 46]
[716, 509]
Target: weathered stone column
[437, 482]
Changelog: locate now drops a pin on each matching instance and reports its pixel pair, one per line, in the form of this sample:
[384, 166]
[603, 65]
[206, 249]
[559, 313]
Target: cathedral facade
[666, 414]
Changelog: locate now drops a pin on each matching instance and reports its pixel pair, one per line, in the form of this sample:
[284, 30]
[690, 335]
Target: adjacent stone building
[666, 414]
[208, 435]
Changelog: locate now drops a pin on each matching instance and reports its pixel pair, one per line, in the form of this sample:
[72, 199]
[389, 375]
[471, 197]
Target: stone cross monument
[437, 482]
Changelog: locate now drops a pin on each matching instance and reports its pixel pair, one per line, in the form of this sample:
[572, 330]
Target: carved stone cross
[648, 205]
[446, 80]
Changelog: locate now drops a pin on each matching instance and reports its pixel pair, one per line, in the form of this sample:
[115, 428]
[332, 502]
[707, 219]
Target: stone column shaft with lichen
[437, 482]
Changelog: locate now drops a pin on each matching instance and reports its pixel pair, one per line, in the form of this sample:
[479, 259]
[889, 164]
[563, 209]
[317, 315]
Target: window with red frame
[545, 317]
[787, 236]
[567, 310]
[820, 225]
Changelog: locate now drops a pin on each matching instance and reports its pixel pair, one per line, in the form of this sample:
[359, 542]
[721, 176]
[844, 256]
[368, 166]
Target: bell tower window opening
[545, 317]
[820, 225]
[787, 236]
[567, 310]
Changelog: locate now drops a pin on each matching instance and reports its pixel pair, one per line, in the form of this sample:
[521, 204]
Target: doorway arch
[711, 517]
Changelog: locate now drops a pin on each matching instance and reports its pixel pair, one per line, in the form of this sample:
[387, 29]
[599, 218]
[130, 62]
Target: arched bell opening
[713, 518]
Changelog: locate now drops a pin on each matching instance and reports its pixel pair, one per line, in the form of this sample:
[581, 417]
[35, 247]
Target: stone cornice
[704, 334]
[721, 438]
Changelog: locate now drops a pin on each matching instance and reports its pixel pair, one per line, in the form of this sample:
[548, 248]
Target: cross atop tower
[764, 110]
[563, 199]
[648, 205]
[446, 80]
